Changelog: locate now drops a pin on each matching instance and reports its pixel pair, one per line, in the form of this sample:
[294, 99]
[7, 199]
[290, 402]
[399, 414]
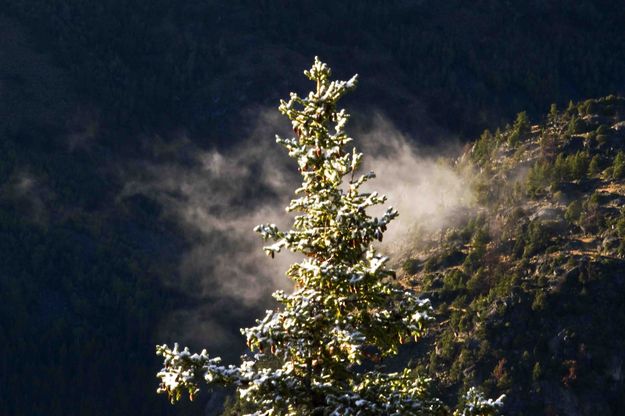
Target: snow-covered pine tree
[306, 357]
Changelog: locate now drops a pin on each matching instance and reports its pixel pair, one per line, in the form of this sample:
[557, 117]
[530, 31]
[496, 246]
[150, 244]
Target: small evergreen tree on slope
[306, 356]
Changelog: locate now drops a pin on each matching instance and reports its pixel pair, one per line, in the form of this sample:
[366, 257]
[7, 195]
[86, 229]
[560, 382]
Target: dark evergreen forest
[85, 84]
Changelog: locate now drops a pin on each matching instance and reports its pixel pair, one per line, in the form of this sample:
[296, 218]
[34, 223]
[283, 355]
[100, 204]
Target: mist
[218, 197]
[424, 185]
[30, 194]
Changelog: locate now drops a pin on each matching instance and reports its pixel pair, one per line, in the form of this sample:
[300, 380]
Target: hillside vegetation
[193, 65]
[529, 286]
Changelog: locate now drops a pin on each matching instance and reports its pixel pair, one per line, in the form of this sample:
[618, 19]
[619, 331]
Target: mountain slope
[529, 287]
[192, 65]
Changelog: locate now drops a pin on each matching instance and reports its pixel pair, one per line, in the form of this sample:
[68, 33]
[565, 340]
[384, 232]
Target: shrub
[618, 166]
[594, 168]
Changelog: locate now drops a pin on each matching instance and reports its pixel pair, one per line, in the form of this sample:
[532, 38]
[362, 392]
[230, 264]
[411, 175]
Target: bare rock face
[548, 213]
